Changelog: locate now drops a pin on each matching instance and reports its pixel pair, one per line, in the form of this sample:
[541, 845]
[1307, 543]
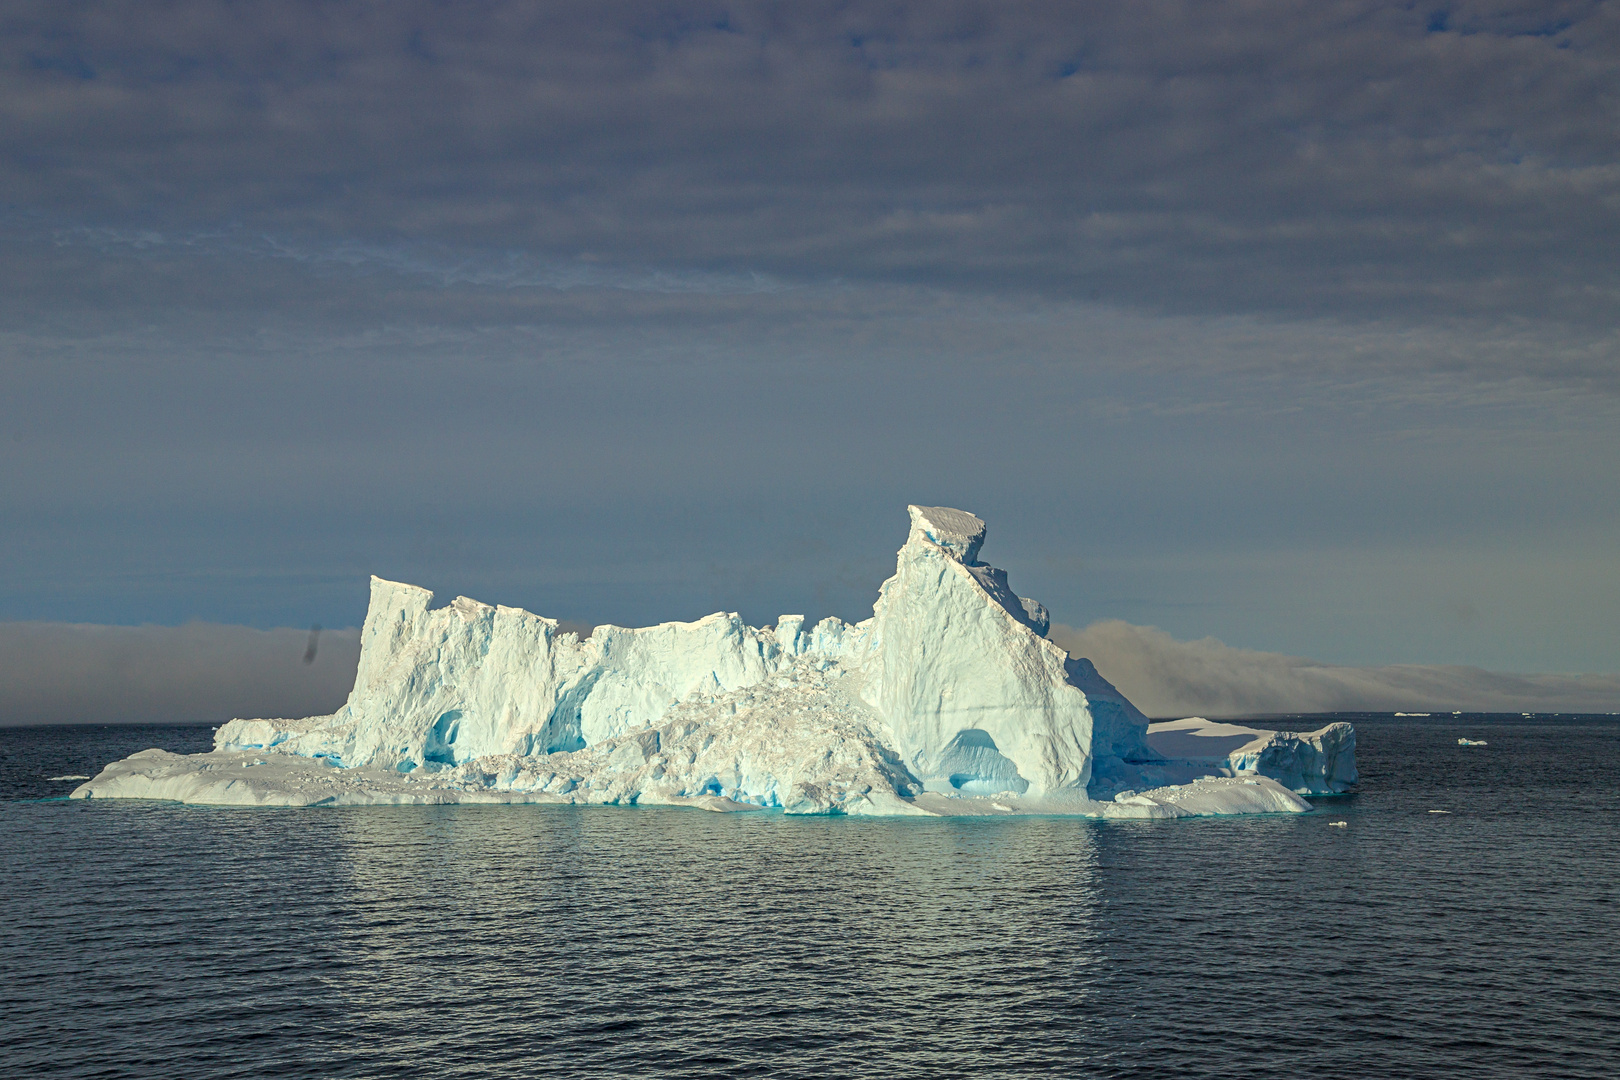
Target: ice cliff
[949, 699]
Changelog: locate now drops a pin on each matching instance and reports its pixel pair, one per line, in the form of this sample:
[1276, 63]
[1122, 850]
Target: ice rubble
[948, 700]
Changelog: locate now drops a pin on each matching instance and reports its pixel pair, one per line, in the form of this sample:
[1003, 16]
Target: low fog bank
[1166, 677]
[70, 673]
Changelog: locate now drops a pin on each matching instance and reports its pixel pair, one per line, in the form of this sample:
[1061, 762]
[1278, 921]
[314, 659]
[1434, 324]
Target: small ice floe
[1439, 811]
[67, 778]
[1339, 824]
[1472, 742]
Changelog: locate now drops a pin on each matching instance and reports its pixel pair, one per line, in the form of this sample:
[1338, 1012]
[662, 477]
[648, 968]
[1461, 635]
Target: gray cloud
[70, 673]
[434, 263]
[1166, 677]
[1340, 157]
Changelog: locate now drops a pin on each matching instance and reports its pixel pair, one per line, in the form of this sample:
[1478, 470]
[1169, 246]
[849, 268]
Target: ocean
[1462, 923]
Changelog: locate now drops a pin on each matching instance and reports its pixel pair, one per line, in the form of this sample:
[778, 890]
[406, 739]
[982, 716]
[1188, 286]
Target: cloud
[1338, 157]
[73, 673]
[1166, 677]
[435, 263]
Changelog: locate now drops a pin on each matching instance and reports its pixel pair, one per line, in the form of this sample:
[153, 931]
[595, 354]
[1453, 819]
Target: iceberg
[948, 700]
[1321, 762]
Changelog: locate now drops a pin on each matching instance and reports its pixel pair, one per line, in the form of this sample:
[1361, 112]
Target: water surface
[154, 940]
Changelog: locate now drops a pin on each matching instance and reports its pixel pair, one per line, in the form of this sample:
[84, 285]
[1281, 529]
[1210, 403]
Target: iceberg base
[635, 770]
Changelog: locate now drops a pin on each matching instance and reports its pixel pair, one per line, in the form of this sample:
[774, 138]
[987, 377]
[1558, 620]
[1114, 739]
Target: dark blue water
[148, 940]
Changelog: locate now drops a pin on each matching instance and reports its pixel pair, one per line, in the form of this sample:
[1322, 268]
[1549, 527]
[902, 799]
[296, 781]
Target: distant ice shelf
[949, 700]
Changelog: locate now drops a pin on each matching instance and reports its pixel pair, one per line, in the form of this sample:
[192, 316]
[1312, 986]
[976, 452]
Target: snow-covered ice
[1316, 762]
[949, 700]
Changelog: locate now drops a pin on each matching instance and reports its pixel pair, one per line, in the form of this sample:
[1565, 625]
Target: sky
[1290, 326]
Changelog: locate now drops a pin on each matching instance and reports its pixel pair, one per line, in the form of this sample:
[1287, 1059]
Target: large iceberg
[948, 700]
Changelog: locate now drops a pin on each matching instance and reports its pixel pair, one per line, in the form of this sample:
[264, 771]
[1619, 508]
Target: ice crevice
[948, 700]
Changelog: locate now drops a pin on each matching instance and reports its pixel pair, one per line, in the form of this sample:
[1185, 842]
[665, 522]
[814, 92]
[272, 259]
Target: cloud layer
[1340, 156]
[70, 673]
[1170, 678]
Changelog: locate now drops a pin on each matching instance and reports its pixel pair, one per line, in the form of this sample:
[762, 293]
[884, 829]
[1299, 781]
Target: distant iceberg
[948, 700]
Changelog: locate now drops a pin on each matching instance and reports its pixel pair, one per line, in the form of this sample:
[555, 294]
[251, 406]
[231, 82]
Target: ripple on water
[146, 940]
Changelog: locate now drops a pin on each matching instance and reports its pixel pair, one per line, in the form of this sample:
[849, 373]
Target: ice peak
[957, 531]
[384, 586]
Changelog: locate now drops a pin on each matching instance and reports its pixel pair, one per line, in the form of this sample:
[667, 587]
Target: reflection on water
[717, 939]
[147, 940]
